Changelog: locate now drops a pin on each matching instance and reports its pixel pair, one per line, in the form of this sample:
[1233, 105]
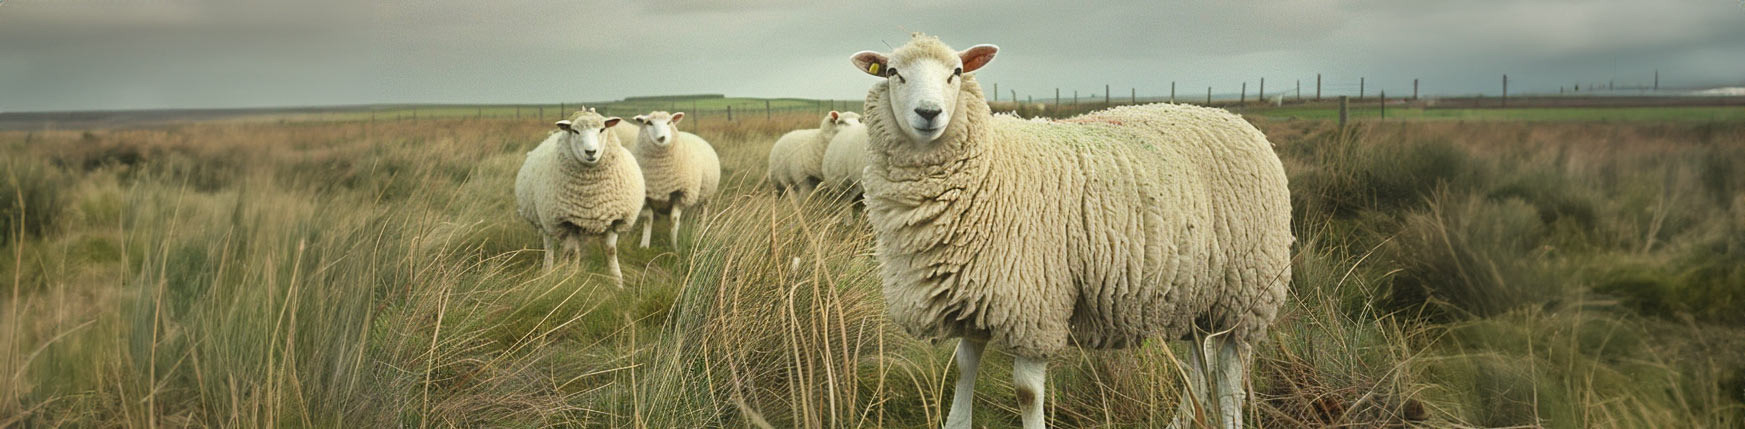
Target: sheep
[680, 169]
[844, 159]
[580, 182]
[1158, 221]
[795, 159]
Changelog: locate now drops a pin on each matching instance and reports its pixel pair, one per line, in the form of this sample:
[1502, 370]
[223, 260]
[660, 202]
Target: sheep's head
[659, 127]
[924, 77]
[844, 119]
[584, 135]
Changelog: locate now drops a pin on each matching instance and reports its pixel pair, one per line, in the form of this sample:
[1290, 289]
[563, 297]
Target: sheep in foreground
[844, 160]
[680, 169]
[796, 158]
[1160, 221]
[580, 182]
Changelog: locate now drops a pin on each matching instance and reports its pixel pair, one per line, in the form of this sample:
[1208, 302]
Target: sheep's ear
[640, 119]
[977, 56]
[872, 63]
[612, 121]
[835, 115]
[678, 117]
[564, 125]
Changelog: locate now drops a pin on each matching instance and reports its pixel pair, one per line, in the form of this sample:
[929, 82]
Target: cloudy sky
[126, 54]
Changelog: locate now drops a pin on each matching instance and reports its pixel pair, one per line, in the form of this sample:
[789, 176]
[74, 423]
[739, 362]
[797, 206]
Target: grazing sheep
[580, 182]
[795, 160]
[1159, 221]
[679, 169]
[844, 159]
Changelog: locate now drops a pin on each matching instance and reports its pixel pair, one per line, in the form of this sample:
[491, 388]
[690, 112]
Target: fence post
[560, 109]
[996, 91]
[1075, 97]
[1243, 97]
[1105, 95]
[1360, 88]
[1014, 95]
[541, 113]
[1657, 80]
[1133, 95]
[766, 111]
[1414, 90]
[1262, 94]
[730, 112]
[1299, 90]
[1505, 90]
[1208, 96]
[1317, 87]
[1344, 109]
[1384, 105]
[1057, 96]
[1172, 92]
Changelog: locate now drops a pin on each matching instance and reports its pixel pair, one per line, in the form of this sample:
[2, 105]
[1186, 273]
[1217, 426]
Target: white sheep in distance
[580, 182]
[680, 169]
[796, 158]
[844, 159]
[1159, 221]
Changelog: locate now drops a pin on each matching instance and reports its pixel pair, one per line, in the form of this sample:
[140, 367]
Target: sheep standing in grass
[796, 158]
[1104, 230]
[844, 159]
[580, 182]
[680, 169]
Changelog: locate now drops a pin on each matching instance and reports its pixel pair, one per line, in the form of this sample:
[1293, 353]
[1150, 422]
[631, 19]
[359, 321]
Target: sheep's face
[661, 128]
[585, 137]
[846, 119]
[924, 79]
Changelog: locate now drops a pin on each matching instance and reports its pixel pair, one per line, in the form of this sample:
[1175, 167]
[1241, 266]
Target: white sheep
[1159, 221]
[844, 160]
[680, 169]
[796, 158]
[580, 182]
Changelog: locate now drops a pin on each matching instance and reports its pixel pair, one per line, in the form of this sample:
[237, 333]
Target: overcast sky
[122, 54]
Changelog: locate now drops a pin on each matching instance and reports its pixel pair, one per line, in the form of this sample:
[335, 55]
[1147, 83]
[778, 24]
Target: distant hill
[675, 97]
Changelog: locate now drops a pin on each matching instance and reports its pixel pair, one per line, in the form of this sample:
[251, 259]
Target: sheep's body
[1110, 228]
[567, 200]
[1159, 221]
[627, 135]
[844, 160]
[797, 158]
[679, 176]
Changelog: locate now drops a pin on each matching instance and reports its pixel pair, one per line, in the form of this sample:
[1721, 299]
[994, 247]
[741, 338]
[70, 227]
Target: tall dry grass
[374, 274]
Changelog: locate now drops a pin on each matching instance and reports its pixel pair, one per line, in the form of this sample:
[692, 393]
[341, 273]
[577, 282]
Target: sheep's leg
[573, 244]
[647, 225]
[675, 221]
[1029, 378]
[969, 359]
[550, 250]
[611, 245]
[1229, 367]
[1194, 394]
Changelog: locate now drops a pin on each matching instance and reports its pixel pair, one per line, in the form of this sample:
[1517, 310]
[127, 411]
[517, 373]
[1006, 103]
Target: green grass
[358, 273]
[700, 108]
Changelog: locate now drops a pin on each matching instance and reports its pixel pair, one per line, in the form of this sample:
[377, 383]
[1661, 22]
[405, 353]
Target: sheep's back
[845, 158]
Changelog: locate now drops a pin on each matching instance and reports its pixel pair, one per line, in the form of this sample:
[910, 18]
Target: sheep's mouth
[927, 130]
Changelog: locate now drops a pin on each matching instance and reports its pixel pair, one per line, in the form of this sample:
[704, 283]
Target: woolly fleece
[795, 160]
[688, 169]
[1108, 228]
[845, 158]
[561, 196]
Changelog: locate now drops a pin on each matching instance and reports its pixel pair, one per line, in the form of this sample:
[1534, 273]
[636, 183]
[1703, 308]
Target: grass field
[1538, 114]
[373, 273]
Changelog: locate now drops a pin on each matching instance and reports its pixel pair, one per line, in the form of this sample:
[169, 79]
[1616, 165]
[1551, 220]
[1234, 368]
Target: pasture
[1563, 268]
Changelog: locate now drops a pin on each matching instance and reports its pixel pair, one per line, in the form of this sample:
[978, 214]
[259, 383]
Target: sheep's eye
[958, 72]
[893, 73]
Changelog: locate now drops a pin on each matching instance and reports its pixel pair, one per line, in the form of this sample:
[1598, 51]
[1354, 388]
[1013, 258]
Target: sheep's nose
[590, 152]
[661, 139]
[927, 114]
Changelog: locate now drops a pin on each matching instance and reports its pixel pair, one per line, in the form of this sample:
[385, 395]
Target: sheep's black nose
[927, 114]
[590, 152]
[661, 139]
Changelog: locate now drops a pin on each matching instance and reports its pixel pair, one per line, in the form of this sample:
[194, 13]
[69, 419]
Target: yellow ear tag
[873, 68]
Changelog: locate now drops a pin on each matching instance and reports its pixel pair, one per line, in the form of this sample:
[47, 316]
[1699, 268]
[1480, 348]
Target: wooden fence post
[1317, 87]
[1344, 109]
[1414, 90]
[1505, 90]
[1360, 88]
[730, 112]
[1132, 95]
[1075, 97]
[996, 91]
[1172, 91]
[1057, 96]
[1384, 105]
[766, 110]
[1105, 95]
[1262, 94]
[1014, 95]
[1243, 98]
[1208, 96]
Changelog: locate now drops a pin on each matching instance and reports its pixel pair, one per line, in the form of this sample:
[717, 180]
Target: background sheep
[580, 182]
[680, 169]
[844, 159]
[1110, 228]
[796, 157]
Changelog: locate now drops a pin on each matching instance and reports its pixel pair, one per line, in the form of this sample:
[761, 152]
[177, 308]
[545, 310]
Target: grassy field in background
[1535, 114]
[373, 273]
